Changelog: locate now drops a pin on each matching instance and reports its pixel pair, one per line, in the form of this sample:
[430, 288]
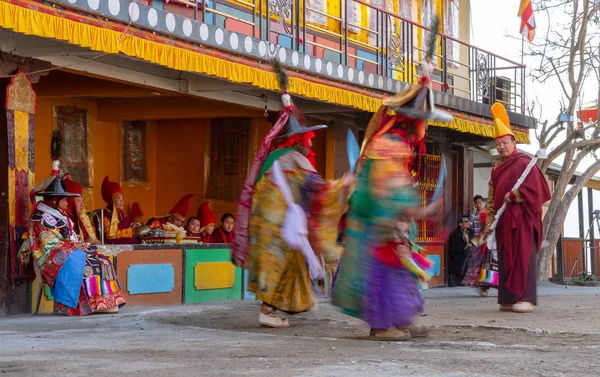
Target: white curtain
[451, 29]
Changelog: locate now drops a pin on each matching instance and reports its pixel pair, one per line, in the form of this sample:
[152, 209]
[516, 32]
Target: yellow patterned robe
[277, 274]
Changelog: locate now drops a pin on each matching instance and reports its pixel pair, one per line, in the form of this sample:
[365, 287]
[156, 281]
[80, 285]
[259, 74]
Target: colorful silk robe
[278, 275]
[53, 239]
[375, 227]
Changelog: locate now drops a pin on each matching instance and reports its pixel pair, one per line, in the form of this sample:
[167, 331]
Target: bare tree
[569, 54]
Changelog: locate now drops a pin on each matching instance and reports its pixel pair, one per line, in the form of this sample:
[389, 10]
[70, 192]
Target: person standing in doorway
[475, 215]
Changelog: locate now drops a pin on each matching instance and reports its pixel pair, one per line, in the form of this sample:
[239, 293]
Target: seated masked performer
[82, 219]
[207, 222]
[118, 228]
[278, 273]
[193, 227]
[82, 281]
[176, 216]
[224, 234]
[379, 274]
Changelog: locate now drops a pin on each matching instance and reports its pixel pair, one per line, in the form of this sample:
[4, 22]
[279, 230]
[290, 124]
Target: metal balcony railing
[365, 37]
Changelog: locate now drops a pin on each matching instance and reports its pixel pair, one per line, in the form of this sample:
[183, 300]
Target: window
[229, 157]
[451, 29]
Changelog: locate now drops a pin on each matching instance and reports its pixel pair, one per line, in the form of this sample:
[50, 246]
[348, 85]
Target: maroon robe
[220, 235]
[124, 223]
[519, 231]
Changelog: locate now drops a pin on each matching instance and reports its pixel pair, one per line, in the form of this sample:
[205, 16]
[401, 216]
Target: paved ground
[469, 338]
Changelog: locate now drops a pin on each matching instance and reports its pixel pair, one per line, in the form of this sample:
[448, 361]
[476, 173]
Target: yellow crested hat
[501, 121]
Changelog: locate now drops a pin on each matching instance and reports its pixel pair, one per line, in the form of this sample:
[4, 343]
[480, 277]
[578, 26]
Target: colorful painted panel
[150, 278]
[132, 258]
[214, 275]
[72, 122]
[435, 252]
[210, 257]
[247, 294]
[134, 152]
[46, 302]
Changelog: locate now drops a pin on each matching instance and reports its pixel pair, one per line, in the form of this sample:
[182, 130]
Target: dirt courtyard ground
[469, 337]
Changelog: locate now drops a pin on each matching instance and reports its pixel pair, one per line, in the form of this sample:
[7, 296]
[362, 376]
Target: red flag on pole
[527, 20]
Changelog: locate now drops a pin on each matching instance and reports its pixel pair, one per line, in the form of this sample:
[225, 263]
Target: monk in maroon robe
[118, 227]
[519, 231]
[224, 234]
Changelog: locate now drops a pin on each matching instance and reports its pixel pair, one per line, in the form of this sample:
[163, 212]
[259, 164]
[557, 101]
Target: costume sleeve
[324, 202]
[490, 208]
[121, 233]
[388, 181]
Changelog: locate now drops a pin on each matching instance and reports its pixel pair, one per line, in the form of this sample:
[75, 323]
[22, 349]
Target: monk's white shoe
[505, 307]
[522, 307]
[275, 321]
[483, 292]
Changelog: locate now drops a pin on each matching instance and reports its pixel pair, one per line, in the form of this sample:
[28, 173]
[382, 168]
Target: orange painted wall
[177, 149]
[104, 154]
[180, 162]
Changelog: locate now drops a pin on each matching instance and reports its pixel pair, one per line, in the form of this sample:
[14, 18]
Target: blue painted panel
[150, 278]
[365, 55]
[210, 17]
[247, 294]
[158, 4]
[436, 268]
[284, 41]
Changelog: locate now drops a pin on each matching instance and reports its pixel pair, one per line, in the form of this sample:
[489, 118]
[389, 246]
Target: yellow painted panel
[46, 305]
[214, 275]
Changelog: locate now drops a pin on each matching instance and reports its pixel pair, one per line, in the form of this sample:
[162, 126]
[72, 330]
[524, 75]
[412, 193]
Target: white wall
[481, 175]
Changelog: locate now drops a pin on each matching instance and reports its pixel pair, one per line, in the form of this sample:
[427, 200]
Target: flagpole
[522, 48]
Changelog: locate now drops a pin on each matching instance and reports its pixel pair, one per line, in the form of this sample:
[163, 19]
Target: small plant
[585, 276]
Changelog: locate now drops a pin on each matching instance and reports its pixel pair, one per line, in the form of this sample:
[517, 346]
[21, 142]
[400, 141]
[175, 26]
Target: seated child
[225, 232]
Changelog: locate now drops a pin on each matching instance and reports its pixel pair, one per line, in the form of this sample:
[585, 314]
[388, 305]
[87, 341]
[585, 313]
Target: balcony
[368, 39]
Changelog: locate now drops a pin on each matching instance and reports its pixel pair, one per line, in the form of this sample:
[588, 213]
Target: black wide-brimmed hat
[297, 125]
[56, 188]
[416, 102]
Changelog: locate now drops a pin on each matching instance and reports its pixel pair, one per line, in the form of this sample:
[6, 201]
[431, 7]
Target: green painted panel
[47, 292]
[194, 296]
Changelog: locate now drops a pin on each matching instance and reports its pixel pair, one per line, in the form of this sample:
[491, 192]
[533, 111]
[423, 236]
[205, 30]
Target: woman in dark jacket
[460, 250]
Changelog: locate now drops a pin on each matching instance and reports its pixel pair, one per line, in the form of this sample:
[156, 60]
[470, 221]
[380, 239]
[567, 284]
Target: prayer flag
[527, 20]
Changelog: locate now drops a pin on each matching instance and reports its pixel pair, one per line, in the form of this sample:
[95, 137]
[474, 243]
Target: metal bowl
[142, 230]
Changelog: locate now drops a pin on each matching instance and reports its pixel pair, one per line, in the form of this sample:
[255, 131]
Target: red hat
[109, 190]
[72, 187]
[206, 216]
[136, 211]
[182, 207]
